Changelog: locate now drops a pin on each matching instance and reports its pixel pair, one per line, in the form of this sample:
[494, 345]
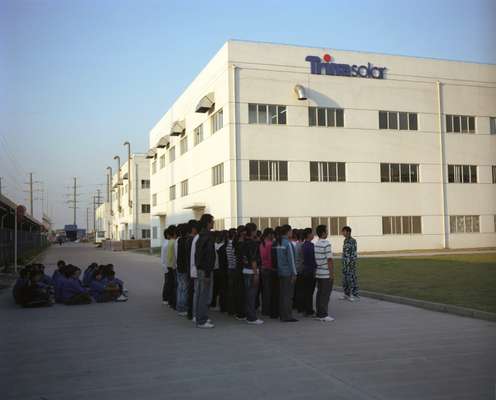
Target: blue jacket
[71, 287]
[107, 281]
[285, 258]
[97, 289]
[58, 283]
[47, 280]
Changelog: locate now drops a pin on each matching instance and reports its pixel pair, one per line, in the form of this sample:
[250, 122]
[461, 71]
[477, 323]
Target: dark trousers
[191, 295]
[78, 299]
[298, 293]
[308, 289]
[220, 290]
[286, 292]
[270, 293]
[239, 294]
[251, 292]
[231, 291]
[324, 289]
[171, 288]
[164, 287]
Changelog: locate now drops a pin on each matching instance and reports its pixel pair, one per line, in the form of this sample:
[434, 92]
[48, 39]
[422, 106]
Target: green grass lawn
[467, 280]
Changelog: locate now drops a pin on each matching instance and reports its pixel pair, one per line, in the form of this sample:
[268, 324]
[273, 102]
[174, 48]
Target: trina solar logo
[325, 66]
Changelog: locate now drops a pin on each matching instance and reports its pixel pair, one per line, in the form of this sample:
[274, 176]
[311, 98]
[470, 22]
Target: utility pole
[0, 185]
[87, 220]
[31, 191]
[96, 203]
[73, 201]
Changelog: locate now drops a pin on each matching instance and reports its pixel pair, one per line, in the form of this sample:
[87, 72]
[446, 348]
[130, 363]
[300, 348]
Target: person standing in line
[193, 272]
[308, 274]
[251, 260]
[220, 272]
[231, 272]
[324, 274]
[297, 245]
[204, 260]
[350, 281]
[163, 262]
[182, 269]
[270, 292]
[171, 267]
[239, 285]
[286, 270]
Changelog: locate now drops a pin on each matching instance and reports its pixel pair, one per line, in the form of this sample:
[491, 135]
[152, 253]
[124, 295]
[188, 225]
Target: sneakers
[290, 320]
[351, 298]
[240, 318]
[206, 325]
[183, 314]
[256, 322]
[327, 319]
[165, 302]
[121, 298]
[344, 297]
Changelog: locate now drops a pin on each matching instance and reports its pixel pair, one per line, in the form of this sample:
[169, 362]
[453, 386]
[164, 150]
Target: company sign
[325, 66]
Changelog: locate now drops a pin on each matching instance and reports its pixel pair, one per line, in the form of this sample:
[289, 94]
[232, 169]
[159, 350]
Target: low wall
[121, 245]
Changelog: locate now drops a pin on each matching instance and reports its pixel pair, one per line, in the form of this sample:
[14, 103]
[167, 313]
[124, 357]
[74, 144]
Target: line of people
[34, 288]
[242, 269]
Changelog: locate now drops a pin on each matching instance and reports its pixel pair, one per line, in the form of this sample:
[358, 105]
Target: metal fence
[28, 245]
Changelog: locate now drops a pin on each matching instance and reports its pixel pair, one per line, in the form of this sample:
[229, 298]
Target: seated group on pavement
[34, 288]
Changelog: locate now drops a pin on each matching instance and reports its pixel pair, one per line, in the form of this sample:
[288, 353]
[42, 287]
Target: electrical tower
[73, 199]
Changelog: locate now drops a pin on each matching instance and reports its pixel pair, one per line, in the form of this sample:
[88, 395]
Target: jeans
[191, 297]
[231, 291]
[324, 289]
[220, 290]
[202, 291]
[182, 292]
[308, 289]
[195, 297]
[251, 291]
[298, 293]
[286, 292]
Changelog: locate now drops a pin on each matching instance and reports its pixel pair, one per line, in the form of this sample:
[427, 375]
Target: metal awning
[195, 206]
[124, 176]
[151, 153]
[163, 142]
[178, 128]
[206, 103]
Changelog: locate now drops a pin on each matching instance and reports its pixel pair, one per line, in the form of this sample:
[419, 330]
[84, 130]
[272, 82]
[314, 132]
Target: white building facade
[130, 200]
[402, 149]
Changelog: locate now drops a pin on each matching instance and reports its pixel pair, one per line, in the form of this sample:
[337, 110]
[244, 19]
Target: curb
[429, 305]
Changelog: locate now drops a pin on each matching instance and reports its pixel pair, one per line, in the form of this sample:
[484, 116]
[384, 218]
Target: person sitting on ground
[20, 285]
[89, 274]
[72, 291]
[102, 293]
[114, 285]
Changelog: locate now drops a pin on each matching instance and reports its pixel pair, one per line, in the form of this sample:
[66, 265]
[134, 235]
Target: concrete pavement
[142, 350]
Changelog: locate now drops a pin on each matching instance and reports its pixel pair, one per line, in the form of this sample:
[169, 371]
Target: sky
[78, 78]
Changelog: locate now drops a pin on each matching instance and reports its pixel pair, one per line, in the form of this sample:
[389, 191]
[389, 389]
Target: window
[184, 188]
[219, 224]
[460, 124]
[404, 121]
[464, 224]
[324, 171]
[145, 208]
[218, 174]
[401, 225]
[217, 121]
[145, 184]
[334, 224]
[492, 125]
[145, 234]
[318, 116]
[154, 166]
[183, 145]
[154, 232]
[154, 199]
[198, 135]
[269, 222]
[399, 172]
[172, 154]
[462, 173]
[264, 170]
[172, 192]
[162, 161]
[266, 114]
[494, 173]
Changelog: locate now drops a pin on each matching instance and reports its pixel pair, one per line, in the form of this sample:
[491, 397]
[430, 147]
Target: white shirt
[193, 272]
[163, 255]
[323, 253]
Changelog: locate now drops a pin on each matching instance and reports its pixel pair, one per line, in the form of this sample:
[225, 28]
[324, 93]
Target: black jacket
[182, 255]
[205, 252]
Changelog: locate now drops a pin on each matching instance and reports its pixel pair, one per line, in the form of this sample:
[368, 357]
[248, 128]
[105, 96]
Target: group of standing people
[243, 269]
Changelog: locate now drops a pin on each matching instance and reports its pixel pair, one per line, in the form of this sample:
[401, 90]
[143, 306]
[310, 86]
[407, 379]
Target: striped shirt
[322, 254]
[231, 257]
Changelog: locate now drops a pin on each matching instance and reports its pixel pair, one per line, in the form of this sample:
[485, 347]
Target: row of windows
[401, 225]
[266, 170]
[325, 171]
[217, 122]
[462, 173]
[464, 223]
[334, 117]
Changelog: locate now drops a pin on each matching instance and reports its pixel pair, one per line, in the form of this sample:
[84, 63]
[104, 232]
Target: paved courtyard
[142, 350]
